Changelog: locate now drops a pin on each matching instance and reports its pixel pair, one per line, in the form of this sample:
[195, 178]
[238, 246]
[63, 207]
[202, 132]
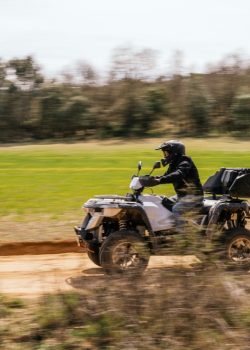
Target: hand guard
[149, 181]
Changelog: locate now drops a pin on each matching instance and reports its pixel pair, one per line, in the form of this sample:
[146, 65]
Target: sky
[60, 33]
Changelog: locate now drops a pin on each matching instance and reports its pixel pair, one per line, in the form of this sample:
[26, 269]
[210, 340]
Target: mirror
[157, 165]
[139, 165]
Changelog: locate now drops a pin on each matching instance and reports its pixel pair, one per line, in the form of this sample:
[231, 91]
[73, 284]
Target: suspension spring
[122, 224]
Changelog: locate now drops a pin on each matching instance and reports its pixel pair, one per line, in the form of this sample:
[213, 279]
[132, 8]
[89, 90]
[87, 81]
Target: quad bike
[121, 232]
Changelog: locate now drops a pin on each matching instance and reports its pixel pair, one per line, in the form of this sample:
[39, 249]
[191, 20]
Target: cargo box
[232, 181]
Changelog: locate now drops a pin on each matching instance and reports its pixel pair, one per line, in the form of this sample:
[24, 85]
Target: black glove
[149, 181]
[164, 162]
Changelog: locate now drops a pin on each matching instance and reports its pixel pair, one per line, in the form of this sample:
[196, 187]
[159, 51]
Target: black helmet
[171, 149]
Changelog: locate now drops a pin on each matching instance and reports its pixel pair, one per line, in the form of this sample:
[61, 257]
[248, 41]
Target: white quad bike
[121, 232]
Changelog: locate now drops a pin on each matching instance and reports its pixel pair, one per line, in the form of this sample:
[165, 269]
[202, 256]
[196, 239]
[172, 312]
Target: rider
[184, 176]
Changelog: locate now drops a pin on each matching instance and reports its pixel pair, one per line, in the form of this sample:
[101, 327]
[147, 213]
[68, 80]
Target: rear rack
[232, 181]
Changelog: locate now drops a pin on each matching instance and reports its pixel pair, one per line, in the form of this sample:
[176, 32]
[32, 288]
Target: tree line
[132, 100]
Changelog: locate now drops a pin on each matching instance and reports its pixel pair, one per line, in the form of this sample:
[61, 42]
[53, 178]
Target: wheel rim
[239, 249]
[127, 256]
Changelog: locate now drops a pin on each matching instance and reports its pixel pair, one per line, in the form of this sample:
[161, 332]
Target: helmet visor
[166, 153]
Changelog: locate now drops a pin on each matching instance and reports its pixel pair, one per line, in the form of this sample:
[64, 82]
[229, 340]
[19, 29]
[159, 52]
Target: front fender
[136, 207]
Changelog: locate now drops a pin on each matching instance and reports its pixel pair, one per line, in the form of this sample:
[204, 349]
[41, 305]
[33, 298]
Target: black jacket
[184, 176]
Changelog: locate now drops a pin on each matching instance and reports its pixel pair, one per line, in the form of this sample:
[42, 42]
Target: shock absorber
[122, 224]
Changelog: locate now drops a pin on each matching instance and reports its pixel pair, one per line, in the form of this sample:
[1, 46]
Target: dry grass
[35, 228]
[165, 309]
[212, 143]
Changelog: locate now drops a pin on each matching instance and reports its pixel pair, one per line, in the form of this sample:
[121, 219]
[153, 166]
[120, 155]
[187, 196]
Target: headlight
[92, 211]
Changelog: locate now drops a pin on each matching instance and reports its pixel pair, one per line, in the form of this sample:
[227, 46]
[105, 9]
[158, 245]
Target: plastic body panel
[159, 217]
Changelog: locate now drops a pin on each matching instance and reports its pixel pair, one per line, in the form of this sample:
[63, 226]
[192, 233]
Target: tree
[131, 64]
[86, 73]
[197, 107]
[75, 117]
[51, 104]
[240, 123]
[27, 73]
[223, 84]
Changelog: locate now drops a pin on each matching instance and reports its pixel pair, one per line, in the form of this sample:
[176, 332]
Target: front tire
[124, 252]
[93, 252]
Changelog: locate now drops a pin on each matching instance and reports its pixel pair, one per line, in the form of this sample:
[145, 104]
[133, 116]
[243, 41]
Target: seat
[168, 203]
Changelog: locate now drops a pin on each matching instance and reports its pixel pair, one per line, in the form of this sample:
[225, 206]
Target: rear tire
[124, 252]
[238, 246]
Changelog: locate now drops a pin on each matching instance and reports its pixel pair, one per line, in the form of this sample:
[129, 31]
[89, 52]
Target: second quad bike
[121, 232]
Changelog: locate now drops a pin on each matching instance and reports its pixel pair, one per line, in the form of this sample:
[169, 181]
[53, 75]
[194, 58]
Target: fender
[92, 222]
[138, 207]
[98, 217]
[218, 208]
[143, 214]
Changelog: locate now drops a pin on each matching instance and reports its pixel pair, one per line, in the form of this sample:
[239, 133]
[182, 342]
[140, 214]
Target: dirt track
[33, 275]
[37, 248]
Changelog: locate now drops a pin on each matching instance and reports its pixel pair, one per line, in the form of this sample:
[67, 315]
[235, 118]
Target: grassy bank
[45, 184]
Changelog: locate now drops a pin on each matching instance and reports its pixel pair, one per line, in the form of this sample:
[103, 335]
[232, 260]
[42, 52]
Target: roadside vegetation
[164, 309]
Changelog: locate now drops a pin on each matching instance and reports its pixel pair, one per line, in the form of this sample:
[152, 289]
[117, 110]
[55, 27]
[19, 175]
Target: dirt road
[34, 275]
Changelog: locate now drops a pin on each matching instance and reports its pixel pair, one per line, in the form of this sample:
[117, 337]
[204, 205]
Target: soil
[37, 248]
[35, 275]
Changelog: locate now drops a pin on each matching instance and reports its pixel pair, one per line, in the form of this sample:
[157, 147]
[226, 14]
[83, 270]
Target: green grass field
[46, 183]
